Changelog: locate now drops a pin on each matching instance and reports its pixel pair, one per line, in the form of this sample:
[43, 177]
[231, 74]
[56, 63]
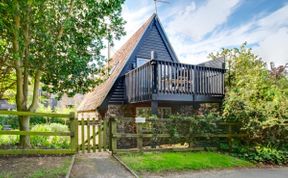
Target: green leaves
[65, 38]
[266, 155]
[254, 96]
[183, 128]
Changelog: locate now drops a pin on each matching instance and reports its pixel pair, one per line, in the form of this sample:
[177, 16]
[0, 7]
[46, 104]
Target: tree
[7, 74]
[57, 44]
[255, 96]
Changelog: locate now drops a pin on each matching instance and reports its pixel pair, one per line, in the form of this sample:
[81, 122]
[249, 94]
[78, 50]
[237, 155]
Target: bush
[256, 97]
[183, 128]
[50, 141]
[262, 154]
[10, 120]
[9, 139]
[35, 120]
[44, 120]
[42, 141]
[59, 141]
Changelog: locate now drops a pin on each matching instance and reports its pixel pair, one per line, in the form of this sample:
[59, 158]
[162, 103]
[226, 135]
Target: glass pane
[141, 61]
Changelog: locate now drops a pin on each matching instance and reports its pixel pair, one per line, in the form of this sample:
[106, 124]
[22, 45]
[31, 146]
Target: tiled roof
[95, 98]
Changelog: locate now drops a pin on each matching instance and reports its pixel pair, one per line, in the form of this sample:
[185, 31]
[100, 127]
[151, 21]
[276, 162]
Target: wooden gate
[92, 135]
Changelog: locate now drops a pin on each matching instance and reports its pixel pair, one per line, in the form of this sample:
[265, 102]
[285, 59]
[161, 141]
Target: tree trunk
[24, 126]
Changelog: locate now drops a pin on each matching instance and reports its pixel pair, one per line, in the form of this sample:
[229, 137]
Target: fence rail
[140, 133]
[22, 113]
[169, 78]
[73, 126]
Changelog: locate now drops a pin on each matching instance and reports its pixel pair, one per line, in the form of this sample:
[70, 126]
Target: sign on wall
[140, 119]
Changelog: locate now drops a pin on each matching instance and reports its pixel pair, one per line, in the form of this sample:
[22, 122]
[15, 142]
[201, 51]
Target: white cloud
[274, 47]
[187, 25]
[196, 22]
[269, 32]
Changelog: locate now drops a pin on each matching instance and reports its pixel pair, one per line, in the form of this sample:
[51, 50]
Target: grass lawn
[174, 161]
[34, 167]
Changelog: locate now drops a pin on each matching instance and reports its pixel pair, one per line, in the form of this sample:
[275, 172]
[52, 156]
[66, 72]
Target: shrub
[10, 120]
[35, 120]
[256, 97]
[183, 128]
[46, 120]
[9, 139]
[50, 141]
[42, 141]
[262, 154]
[59, 141]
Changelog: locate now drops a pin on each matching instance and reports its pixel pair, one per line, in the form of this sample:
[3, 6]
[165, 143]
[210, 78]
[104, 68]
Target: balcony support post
[154, 102]
[154, 107]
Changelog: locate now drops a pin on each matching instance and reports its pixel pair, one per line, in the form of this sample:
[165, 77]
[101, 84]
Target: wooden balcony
[169, 81]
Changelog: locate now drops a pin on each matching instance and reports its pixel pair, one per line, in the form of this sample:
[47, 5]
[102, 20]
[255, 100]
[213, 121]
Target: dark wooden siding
[151, 41]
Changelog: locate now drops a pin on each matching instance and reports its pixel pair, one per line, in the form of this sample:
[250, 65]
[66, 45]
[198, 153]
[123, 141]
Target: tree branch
[26, 55]
[34, 103]
[18, 67]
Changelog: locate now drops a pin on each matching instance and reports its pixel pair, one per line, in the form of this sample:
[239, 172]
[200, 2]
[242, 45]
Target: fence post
[112, 135]
[139, 137]
[88, 135]
[105, 134]
[82, 135]
[94, 134]
[74, 132]
[230, 137]
[100, 141]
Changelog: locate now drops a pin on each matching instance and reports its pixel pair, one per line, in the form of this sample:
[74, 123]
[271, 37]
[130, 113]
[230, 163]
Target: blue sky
[196, 28]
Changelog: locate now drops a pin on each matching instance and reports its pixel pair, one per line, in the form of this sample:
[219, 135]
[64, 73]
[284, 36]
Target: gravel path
[233, 173]
[98, 165]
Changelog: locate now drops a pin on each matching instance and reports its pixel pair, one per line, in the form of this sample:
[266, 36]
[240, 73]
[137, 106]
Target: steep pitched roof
[95, 98]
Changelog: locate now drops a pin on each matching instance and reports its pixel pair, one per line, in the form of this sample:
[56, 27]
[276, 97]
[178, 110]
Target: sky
[196, 28]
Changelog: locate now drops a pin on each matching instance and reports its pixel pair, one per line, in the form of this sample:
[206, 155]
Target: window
[141, 61]
[164, 112]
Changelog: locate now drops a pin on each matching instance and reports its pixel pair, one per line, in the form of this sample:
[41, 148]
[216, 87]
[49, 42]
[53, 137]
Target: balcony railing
[168, 78]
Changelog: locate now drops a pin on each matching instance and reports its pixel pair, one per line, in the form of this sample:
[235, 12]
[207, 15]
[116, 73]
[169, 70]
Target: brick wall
[130, 110]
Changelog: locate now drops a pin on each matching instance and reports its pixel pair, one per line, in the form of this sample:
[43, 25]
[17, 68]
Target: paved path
[98, 165]
[236, 173]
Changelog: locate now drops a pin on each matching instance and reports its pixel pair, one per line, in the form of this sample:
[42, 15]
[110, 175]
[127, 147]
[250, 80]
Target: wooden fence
[72, 133]
[92, 135]
[140, 134]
